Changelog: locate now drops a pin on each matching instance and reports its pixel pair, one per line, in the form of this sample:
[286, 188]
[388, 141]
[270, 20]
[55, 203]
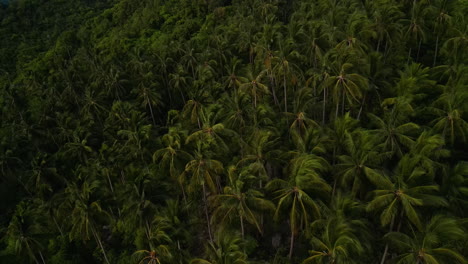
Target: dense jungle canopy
[232, 132]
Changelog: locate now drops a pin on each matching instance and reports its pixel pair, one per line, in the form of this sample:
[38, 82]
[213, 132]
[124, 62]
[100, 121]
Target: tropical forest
[234, 131]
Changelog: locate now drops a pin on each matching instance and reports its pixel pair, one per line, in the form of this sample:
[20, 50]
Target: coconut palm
[237, 203]
[392, 135]
[430, 244]
[358, 166]
[254, 86]
[293, 194]
[85, 213]
[204, 172]
[449, 120]
[227, 249]
[346, 87]
[335, 242]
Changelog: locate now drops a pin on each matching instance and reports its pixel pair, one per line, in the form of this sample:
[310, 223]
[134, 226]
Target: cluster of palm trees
[230, 132]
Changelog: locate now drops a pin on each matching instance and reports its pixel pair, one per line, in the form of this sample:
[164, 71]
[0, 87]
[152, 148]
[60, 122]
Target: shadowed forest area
[234, 132]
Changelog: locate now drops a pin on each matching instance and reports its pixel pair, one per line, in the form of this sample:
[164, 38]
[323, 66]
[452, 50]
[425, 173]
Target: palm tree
[293, 194]
[430, 244]
[386, 16]
[213, 135]
[148, 97]
[254, 86]
[410, 189]
[237, 203]
[359, 162]
[204, 172]
[349, 86]
[227, 249]
[85, 212]
[24, 231]
[393, 136]
[455, 187]
[416, 30]
[153, 256]
[442, 21]
[172, 156]
[335, 243]
[449, 120]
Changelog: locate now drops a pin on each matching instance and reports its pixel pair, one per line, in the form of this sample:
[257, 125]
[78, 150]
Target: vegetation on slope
[230, 132]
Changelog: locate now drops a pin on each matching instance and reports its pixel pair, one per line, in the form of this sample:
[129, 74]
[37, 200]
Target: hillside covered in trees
[232, 132]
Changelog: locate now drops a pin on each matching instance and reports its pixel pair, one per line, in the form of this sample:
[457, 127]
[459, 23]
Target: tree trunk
[42, 257]
[98, 240]
[435, 52]
[337, 109]
[292, 244]
[272, 83]
[419, 48]
[110, 182]
[324, 104]
[409, 55]
[152, 115]
[343, 102]
[285, 93]
[242, 226]
[255, 101]
[386, 245]
[58, 226]
[206, 213]
[360, 109]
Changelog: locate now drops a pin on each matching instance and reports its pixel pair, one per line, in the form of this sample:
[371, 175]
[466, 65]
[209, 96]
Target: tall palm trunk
[242, 226]
[419, 48]
[151, 112]
[285, 93]
[435, 52]
[42, 257]
[324, 104]
[409, 55]
[206, 213]
[292, 245]
[386, 245]
[98, 240]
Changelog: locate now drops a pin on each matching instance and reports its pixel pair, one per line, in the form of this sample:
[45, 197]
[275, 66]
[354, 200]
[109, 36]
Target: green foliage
[243, 131]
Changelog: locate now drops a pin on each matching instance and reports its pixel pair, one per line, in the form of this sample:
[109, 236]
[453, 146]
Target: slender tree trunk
[324, 104]
[183, 192]
[242, 226]
[182, 95]
[42, 257]
[343, 102]
[98, 240]
[334, 189]
[360, 109]
[147, 229]
[291, 247]
[400, 220]
[386, 245]
[385, 51]
[272, 83]
[435, 52]
[152, 115]
[58, 226]
[337, 109]
[409, 55]
[110, 182]
[255, 101]
[285, 93]
[378, 45]
[206, 213]
[419, 48]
